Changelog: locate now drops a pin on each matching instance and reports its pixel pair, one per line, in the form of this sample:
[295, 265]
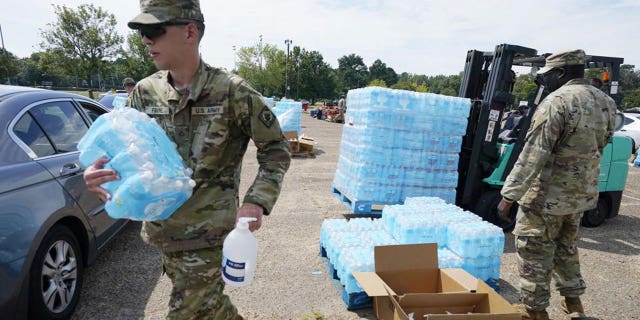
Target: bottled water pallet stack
[464, 241]
[289, 114]
[347, 246]
[398, 144]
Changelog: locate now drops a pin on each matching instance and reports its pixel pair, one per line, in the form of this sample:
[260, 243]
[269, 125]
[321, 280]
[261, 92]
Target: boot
[528, 314]
[573, 308]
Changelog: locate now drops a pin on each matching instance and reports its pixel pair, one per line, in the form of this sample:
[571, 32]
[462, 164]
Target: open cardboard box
[407, 280]
[299, 144]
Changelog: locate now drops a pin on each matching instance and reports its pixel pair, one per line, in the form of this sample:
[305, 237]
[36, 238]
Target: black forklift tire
[596, 216]
[487, 209]
[38, 308]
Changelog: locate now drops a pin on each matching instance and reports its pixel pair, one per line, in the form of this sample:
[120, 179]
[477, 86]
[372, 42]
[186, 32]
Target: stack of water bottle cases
[289, 114]
[397, 144]
[464, 240]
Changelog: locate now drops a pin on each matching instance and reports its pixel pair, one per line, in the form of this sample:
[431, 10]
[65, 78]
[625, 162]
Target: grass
[314, 315]
[85, 93]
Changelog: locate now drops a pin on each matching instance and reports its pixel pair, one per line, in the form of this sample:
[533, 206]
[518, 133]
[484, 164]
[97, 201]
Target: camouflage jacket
[557, 171]
[211, 123]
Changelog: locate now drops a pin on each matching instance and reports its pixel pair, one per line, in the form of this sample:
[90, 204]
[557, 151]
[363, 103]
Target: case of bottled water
[289, 114]
[153, 179]
[400, 144]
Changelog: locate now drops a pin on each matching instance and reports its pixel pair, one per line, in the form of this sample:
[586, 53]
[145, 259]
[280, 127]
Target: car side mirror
[619, 120]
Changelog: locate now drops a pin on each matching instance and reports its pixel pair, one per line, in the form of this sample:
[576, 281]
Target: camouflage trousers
[197, 285]
[546, 247]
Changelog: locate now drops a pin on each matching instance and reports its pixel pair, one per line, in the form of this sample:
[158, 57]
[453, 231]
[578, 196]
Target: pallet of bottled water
[397, 144]
[289, 114]
[464, 240]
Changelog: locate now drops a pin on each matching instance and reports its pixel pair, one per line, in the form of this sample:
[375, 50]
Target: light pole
[6, 56]
[235, 64]
[286, 69]
[260, 53]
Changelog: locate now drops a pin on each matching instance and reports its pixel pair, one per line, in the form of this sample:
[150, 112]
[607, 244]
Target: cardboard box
[292, 137]
[407, 279]
[297, 144]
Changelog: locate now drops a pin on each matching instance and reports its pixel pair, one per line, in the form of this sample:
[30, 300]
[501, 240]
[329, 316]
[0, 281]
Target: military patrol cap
[128, 82]
[161, 11]
[561, 59]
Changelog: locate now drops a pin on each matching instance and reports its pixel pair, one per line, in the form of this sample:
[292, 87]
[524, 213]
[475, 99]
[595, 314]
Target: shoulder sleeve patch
[266, 116]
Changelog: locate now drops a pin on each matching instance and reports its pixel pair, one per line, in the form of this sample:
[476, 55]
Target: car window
[627, 120]
[32, 135]
[62, 124]
[92, 111]
[107, 101]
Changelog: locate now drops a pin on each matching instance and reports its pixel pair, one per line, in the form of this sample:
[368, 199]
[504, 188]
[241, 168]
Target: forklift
[487, 156]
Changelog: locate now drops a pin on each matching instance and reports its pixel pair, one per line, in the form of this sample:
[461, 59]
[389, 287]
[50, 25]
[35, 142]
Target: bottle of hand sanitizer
[239, 252]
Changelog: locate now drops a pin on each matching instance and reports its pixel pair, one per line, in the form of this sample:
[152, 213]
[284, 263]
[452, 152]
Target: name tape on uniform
[156, 110]
[206, 110]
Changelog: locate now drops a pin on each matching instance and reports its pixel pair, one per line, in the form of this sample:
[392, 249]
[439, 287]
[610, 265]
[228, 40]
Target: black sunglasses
[155, 30]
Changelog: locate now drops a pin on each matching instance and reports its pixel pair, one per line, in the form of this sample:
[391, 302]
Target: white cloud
[417, 36]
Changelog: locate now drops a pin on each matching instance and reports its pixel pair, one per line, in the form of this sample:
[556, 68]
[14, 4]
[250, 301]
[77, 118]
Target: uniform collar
[195, 87]
[576, 81]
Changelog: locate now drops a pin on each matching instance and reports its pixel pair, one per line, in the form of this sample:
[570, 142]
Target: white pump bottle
[239, 252]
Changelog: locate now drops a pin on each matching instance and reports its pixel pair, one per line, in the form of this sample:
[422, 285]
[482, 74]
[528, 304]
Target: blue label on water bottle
[233, 271]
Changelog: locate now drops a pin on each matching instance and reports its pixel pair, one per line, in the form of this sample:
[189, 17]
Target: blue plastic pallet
[354, 300]
[494, 284]
[358, 206]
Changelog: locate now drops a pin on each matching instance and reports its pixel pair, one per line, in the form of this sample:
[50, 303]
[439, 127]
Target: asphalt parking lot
[291, 280]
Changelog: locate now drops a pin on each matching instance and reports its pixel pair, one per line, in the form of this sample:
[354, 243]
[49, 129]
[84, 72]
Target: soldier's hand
[96, 174]
[251, 210]
[503, 210]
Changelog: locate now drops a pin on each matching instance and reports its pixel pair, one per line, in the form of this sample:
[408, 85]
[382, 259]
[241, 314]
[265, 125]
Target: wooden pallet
[358, 206]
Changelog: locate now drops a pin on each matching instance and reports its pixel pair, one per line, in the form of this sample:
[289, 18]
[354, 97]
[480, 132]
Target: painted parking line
[630, 197]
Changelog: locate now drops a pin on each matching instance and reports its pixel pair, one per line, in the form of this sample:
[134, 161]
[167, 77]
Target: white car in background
[631, 128]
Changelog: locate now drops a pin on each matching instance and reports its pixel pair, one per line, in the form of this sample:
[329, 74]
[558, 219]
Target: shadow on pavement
[122, 280]
[618, 235]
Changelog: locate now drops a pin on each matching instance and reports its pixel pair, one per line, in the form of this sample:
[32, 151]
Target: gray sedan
[51, 226]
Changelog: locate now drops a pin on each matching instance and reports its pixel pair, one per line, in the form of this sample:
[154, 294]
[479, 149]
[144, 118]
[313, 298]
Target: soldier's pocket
[529, 223]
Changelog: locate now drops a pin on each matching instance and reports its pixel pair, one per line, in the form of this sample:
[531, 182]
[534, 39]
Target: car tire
[55, 278]
[487, 209]
[596, 216]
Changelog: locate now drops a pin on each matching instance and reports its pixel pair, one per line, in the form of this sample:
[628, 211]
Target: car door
[105, 226]
[63, 126]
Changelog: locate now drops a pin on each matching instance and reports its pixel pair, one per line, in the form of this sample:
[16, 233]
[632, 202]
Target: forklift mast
[491, 74]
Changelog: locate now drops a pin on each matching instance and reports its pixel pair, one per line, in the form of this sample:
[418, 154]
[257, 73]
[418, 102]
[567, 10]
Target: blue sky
[417, 36]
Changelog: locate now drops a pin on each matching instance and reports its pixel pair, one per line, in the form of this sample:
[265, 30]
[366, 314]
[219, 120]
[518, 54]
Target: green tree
[315, 77]
[8, 65]
[524, 88]
[379, 70]
[352, 73]
[30, 72]
[422, 88]
[631, 99]
[264, 67]
[135, 61]
[83, 40]
[404, 85]
[377, 83]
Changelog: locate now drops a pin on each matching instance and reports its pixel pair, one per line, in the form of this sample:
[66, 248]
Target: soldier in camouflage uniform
[211, 115]
[554, 181]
